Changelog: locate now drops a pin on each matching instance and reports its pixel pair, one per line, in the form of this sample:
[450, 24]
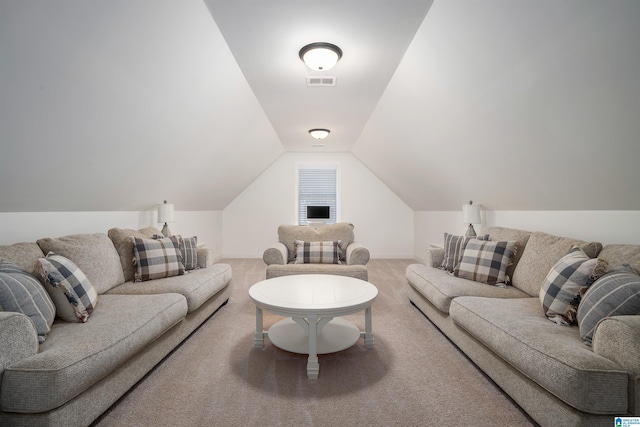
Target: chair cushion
[318, 252]
[288, 234]
[20, 292]
[69, 288]
[357, 271]
[553, 357]
[78, 355]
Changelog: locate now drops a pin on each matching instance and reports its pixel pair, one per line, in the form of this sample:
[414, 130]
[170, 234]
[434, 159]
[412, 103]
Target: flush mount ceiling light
[319, 133]
[320, 56]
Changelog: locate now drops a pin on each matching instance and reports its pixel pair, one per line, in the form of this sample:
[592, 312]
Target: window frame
[307, 166]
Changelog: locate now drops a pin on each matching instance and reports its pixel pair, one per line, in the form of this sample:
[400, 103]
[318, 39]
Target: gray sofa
[545, 367]
[281, 256]
[81, 369]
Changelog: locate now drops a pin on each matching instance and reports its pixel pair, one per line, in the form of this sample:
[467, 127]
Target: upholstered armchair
[298, 251]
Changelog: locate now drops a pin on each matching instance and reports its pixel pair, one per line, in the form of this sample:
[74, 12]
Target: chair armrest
[205, 256]
[433, 257]
[357, 254]
[276, 254]
[18, 339]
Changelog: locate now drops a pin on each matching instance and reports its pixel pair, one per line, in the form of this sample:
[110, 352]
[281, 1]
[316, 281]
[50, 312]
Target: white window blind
[316, 187]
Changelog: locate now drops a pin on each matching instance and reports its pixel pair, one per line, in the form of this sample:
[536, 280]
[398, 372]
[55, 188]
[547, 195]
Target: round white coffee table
[313, 301]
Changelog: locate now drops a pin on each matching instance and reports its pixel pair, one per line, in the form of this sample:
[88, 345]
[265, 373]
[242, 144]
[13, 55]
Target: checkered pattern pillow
[486, 261]
[68, 287]
[318, 252]
[453, 247]
[565, 284]
[617, 293]
[20, 292]
[189, 251]
[156, 259]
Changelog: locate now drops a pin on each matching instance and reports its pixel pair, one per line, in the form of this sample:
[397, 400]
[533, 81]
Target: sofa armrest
[618, 338]
[276, 254]
[205, 256]
[433, 257]
[357, 254]
[18, 339]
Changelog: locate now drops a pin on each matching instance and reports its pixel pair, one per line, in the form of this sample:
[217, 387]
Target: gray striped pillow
[616, 293]
[453, 248]
[189, 252]
[22, 293]
[156, 259]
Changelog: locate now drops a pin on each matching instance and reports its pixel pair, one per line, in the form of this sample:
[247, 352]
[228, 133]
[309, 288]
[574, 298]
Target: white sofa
[81, 369]
[544, 367]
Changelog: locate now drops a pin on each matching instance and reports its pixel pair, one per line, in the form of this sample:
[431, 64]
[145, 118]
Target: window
[317, 186]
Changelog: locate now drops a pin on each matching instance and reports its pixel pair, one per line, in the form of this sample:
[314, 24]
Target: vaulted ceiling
[110, 105]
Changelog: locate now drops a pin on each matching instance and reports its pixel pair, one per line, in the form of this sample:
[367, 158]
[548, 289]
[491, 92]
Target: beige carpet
[412, 377]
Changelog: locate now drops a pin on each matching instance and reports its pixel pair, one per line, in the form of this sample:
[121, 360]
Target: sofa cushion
[616, 293]
[540, 254]
[621, 254]
[453, 248]
[76, 356]
[20, 292]
[69, 288]
[189, 250]
[486, 262]
[124, 246]
[197, 286]
[94, 254]
[156, 258]
[318, 252]
[24, 255]
[555, 358]
[441, 287]
[505, 234]
[288, 234]
[565, 284]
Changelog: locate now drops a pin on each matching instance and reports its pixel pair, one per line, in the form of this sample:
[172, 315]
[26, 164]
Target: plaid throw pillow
[617, 293]
[486, 261]
[318, 252]
[189, 251]
[565, 284]
[156, 259]
[453, 247]
[69, 289]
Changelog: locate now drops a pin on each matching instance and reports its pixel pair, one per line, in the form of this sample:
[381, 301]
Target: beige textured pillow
[94, 254]
[124, 247]
[541, 253]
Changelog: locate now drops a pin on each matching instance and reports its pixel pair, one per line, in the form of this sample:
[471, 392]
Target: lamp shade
[320, 56]
[165, 212]
[471, 214]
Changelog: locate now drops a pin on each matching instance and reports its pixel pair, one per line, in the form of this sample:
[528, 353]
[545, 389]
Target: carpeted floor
[412, 377]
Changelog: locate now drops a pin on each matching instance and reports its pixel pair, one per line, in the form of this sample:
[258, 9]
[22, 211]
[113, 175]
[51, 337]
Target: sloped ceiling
[518, 105]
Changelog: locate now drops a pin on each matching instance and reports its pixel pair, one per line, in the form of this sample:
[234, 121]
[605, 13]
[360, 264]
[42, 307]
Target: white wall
[383, 223]
[30, 226]
[602, 226]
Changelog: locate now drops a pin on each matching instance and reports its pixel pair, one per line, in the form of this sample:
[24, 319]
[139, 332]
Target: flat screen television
[318, 212]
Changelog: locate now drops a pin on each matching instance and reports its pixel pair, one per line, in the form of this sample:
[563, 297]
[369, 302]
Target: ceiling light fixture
[319, 133]
[320, 56]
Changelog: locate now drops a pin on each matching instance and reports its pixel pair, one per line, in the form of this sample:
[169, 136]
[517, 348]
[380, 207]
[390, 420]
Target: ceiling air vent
[313, 81]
